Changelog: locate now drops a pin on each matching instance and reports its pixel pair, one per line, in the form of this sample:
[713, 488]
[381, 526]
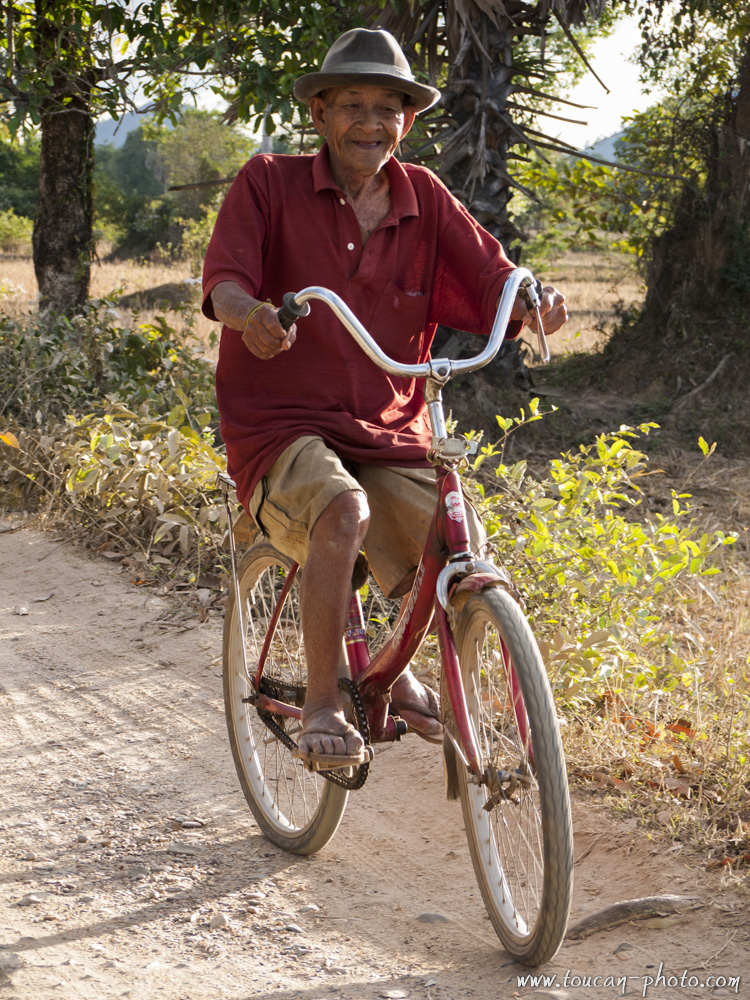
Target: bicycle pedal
[333, 761]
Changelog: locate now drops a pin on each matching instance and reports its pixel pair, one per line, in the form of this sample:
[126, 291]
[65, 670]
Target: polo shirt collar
[403, 197]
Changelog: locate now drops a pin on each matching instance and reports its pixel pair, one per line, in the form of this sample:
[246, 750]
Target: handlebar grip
[525, 294]
[291, 311]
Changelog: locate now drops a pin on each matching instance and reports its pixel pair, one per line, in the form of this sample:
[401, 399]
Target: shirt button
[349, 246]
[343, 201]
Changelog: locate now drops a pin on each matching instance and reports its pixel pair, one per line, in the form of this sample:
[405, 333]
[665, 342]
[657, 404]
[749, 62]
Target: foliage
[19, 169]
[89, 49]
[140, 487]
[606, 576]
[195, 237]
[587, 205]
[131, 166]
[112, 428]
[135, 209]
[691, 46]
[15, 233]
[54, 366]
[199, 148]
[613, 592]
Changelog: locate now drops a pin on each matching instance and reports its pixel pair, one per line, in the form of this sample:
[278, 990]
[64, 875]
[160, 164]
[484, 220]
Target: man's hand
[265, 337]
[552, 308]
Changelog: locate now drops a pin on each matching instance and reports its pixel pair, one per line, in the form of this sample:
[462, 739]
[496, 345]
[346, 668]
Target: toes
[350, 742]
[426, 724]
[353, 742]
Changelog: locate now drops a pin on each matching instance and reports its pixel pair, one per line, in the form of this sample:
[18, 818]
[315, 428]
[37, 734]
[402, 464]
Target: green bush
[623, 602]
[604, 587]
[15, 233]
[139, 466]
[52, 366]
[137, 485]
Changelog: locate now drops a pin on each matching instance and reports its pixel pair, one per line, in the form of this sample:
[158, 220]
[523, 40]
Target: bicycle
[503, 754]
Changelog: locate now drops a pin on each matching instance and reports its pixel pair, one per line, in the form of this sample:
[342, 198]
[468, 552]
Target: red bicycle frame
[447, 539]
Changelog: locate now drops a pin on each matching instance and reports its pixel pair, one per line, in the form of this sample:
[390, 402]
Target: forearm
[232, 304]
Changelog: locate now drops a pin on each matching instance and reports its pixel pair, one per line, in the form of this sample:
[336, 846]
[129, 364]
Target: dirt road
[130, 865]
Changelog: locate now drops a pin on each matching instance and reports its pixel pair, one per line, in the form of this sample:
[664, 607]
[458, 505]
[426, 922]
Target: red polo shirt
[285, 224]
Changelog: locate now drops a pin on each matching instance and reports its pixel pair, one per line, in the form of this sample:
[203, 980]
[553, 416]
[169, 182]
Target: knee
[344, 522]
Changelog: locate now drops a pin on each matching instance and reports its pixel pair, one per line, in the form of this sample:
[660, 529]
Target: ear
[318, 113]
[409, 115]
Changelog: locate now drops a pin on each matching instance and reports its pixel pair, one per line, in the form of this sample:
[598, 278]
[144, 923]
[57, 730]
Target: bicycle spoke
[527, 899]
[296, 808]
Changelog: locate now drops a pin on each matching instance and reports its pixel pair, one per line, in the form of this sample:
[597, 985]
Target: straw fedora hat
[363, 56]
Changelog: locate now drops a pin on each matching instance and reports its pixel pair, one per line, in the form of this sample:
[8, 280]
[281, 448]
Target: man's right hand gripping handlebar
[268, 332]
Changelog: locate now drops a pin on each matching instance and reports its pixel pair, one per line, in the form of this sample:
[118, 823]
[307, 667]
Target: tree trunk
[690, 258]
[476, 96]
[63, 225]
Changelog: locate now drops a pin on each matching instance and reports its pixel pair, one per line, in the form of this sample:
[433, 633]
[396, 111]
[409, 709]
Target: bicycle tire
[520, 840]
[297, 810]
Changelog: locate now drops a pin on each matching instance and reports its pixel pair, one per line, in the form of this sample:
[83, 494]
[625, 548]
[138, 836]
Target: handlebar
[295, 306]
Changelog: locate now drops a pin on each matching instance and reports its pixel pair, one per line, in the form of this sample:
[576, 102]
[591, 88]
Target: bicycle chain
[359, 777]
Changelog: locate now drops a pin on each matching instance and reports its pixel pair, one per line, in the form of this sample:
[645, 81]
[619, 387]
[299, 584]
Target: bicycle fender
[475, 583]
[450, 771]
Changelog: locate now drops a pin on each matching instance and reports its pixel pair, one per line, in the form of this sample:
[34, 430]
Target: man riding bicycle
[327, 450]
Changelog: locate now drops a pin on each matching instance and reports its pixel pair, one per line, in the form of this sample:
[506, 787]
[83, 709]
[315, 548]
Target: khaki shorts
[307, 476]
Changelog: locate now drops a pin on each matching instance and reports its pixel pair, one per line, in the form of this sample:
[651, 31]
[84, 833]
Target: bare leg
[325, 591]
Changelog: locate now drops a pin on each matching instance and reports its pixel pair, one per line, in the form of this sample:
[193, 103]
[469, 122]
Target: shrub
[137, 485]
[52, 366]
[625, 615]
[15, 232]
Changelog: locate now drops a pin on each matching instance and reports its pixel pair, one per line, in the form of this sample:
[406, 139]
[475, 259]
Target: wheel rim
[285, 791]
[509, 835]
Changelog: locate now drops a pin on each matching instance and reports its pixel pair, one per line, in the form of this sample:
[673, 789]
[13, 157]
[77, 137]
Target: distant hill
[110, 131]
[607, 149]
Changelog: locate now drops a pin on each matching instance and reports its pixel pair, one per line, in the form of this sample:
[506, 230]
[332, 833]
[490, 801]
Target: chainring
[294, 694]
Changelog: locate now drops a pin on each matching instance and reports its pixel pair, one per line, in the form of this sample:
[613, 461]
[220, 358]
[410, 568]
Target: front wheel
[296, 809]
[518, 820]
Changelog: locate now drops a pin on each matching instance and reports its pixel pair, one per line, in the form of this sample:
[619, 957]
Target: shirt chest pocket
[398, 323]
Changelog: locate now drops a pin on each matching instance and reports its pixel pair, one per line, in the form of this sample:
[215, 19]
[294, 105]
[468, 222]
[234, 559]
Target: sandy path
[114, 753]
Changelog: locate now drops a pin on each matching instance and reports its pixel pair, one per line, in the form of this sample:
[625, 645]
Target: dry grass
[121, 278]
[596, 287]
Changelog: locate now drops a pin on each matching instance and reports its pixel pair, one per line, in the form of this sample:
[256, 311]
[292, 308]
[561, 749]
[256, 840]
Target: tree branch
[571, 38]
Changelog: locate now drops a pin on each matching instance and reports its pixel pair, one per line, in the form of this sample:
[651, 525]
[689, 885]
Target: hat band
[368, 68]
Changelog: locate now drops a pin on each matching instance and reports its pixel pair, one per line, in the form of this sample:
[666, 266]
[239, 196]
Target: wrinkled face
[363, 124]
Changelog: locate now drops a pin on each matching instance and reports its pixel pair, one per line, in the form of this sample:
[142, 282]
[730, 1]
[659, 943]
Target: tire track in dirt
[112, 737]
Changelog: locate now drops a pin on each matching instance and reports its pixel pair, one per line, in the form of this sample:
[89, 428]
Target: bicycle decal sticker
[454, 506]
[354, 631]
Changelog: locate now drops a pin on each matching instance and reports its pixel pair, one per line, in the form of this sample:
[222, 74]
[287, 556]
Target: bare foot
[326, 731]
[417, 705]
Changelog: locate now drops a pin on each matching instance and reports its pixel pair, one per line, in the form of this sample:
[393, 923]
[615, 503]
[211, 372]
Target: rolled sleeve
[235, 250]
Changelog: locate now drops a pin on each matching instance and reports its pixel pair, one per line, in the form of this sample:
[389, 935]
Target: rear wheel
[296, 809]
[519, 823]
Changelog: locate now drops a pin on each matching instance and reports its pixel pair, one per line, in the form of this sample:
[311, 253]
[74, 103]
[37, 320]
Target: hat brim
[311, 84]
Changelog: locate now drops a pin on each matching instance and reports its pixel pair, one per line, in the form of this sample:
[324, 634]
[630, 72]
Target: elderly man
[328, 451]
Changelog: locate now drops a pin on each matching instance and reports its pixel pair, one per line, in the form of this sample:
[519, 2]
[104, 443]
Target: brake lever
[531, 291]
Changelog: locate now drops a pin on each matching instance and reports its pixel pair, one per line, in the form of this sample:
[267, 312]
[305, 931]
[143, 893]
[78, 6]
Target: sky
[611, 60]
